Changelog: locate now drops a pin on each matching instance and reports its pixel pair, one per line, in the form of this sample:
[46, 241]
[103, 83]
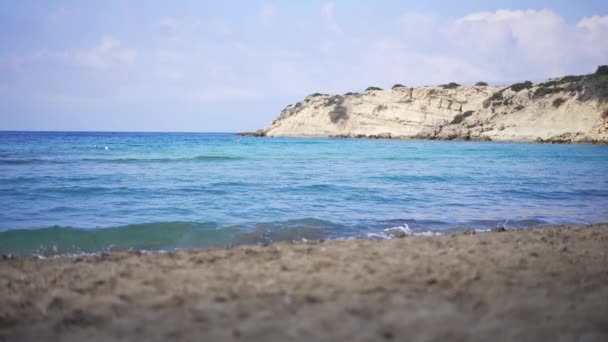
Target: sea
[92, 192]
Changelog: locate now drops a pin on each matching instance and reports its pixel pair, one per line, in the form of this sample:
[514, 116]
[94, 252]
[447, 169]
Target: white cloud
[594, 23]
[170, 25]
[501, 15]
[59, 16]
[220, 27]
[218, 94]
[327, 45]
[592, 35]
[328, 14]
[327, 10]
[183, 28]
[506, 44]
[415, 22]
[107, 53]
[268, 14]
[538, 38]
[531, 29]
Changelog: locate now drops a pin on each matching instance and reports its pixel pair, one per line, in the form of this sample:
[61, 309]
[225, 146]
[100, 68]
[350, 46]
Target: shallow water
[176, 190]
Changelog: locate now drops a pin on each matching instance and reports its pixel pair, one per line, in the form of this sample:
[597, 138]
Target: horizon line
[107, 131]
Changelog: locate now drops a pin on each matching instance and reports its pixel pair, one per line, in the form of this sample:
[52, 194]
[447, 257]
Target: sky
[229, 66]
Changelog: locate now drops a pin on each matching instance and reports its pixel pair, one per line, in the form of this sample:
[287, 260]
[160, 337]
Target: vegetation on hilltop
[586, 87]
[451, 85]
[517, 87]
[591, 86]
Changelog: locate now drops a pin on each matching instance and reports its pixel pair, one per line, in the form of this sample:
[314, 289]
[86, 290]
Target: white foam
[427, 233]
[399, 231]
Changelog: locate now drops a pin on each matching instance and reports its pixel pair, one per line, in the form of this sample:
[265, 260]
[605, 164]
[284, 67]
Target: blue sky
[233, 65]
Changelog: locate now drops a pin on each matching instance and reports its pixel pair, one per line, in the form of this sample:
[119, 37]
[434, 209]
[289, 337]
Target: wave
[201, 158]
[542, 194]
[400, 231]
[521, 223]
[159, 236]
[412, 178]
[168, 236]
[30, 161]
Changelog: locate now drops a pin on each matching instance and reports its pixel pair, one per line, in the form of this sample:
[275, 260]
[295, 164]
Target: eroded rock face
[566, 110]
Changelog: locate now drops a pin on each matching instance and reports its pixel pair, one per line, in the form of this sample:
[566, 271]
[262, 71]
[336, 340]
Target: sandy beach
[525, 285]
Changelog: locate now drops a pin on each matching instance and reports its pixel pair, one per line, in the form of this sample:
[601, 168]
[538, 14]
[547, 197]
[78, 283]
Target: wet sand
[544, 284]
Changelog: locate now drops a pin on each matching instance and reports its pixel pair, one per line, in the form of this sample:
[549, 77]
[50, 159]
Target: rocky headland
[570, 109]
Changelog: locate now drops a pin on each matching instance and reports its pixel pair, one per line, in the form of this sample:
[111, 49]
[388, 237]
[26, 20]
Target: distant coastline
[569, 109]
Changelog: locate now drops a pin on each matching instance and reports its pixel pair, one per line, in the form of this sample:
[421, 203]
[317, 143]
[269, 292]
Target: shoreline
[538, 141]
[524, 284]
[248, 238]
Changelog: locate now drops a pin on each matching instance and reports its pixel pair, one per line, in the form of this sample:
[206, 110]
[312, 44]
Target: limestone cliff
[568, 109]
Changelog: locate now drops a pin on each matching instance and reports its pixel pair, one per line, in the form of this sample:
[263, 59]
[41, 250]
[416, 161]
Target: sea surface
[66, 193]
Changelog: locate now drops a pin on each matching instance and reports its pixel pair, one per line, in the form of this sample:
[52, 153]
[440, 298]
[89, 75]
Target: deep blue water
[180, 190]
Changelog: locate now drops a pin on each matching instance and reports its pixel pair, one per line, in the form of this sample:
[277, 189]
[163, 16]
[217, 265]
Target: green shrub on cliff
[498, 96]
[558, 102]
[563, 80]
[517, 87]
[380, 108]
[602, 70]
[339, 113]
[570, 79]
[460, 117]
[372, 88]
[542, 91]
[398, 86]
[451, 85]
[481, 84]
[315, 95]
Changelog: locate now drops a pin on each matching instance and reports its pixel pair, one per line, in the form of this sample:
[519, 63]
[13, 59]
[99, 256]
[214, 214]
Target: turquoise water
[59, 193]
